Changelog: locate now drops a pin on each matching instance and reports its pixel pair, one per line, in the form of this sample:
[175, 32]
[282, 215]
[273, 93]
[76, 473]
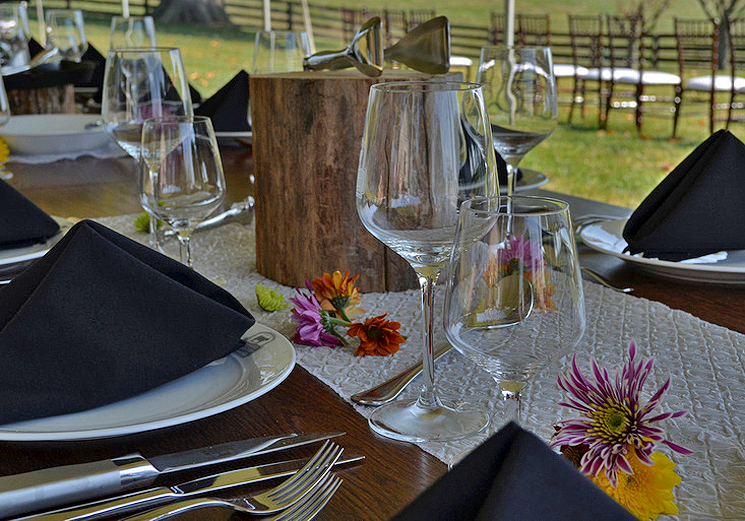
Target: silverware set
[308, 488]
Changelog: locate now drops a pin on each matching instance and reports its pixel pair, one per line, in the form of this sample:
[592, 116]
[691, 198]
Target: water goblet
[142, 83]
[514, 300]
[426, 148]
[181, 179]
[66, 31]
[14, 34]
[520, 92]
[279, 51]
[132, 31]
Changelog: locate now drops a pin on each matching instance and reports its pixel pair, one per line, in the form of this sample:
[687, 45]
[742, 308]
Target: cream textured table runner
[706, 362]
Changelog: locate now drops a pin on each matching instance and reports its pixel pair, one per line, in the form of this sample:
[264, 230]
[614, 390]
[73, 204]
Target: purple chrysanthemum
[307, 314]
[520, 255]
[612, 417]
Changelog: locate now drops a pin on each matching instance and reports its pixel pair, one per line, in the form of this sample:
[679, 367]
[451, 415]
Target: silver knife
[158, 496]
[53, 487]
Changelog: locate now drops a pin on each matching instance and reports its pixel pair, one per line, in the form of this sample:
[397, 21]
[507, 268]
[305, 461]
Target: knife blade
[138, 501]
[56, 486]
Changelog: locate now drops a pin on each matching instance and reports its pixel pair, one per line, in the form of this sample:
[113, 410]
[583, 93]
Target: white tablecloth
[705, 360]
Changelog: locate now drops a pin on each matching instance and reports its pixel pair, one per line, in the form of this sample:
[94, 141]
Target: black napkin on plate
[98, 60]
[21, 221]
[228, 107]
[698, 208]
[101, 318]
[513, 475]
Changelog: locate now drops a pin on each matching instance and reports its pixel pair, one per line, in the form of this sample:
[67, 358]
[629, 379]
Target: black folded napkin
[228, 108]
[514, 475]
[98, 60]
[101, 318]
[698, 208]
[21, 221]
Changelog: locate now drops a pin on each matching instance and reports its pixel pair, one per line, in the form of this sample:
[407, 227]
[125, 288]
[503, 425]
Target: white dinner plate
[723, 267]
[530, 179]
[43, 134]
[242, 376]
[34, 251]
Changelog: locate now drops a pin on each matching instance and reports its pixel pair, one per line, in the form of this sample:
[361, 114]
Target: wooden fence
[331, 24]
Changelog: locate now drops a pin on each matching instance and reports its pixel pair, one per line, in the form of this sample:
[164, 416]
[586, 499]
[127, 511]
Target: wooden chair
[697, 44]
[586, 37]
[498, 29]
[534, 30]
[736, 47]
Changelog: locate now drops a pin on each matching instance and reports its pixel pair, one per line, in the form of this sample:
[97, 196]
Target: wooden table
[393, 473]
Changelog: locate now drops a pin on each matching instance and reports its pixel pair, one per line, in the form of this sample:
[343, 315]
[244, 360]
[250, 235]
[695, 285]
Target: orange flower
[338, 294]
[377, 336]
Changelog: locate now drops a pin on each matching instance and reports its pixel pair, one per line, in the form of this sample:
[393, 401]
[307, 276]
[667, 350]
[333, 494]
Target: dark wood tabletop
[393, 473]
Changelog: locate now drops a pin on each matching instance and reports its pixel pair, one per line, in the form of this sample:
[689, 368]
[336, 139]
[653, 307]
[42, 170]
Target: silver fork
[304, 510]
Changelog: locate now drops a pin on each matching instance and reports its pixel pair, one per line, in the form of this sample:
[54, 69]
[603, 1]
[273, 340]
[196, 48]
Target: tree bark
[203, 12]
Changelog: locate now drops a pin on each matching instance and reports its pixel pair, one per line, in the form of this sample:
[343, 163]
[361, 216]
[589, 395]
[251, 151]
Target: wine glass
[4, 118]
[279, 51]
[514, 300]
[181, 179]
[426, 147]
[142, 83]
[66, 31]
[14, 34]
[520, 92]
[132, 31]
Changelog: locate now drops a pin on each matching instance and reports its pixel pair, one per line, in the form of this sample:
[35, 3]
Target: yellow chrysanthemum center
[648, 492]
[611, 422]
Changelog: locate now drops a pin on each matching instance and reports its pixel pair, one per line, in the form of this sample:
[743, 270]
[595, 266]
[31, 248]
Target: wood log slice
[307, 132]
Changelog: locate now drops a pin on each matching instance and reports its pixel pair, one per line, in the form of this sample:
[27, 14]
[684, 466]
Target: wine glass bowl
[426, 147]
[66, 31]
[132, 31]
[181, 179]
[514, 301]
[521, 98]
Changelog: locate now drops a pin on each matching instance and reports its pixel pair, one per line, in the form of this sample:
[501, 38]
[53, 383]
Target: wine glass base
[409, 420]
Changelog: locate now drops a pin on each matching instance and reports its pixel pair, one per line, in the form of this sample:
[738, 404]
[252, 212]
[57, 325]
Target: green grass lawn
[617, 165]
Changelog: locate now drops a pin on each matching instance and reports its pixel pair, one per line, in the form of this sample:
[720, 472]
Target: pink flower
[520, 256]
[613, 420]
[307, 314]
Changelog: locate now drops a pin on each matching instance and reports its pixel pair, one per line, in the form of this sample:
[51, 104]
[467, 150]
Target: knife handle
[52, 487]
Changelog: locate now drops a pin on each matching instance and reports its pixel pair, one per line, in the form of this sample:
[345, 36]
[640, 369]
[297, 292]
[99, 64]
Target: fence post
[289, 16]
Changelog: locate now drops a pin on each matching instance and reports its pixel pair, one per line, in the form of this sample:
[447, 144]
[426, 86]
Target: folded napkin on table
[514, 475]
[92, 55]
[228, 108]
[101, 318]
[21, 221]
[698, 208]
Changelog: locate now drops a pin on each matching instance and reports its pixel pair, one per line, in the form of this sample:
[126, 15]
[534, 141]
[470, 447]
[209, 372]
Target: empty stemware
[181, 179]
[426, 148]
[66, 31]
[14, 34]
[132, 31]
[514, 300]
[279, 51]
[520, 92]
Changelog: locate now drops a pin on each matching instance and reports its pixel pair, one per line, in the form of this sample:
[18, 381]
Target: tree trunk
[203, 12]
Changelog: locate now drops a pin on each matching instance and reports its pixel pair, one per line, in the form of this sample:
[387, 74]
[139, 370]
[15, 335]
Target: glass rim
[409, 86]
[497, 202]
[147, 48]
[177, 120]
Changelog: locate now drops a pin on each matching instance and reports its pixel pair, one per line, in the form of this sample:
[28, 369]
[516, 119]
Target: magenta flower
[307, 314]
[612, 417]
[520, 255]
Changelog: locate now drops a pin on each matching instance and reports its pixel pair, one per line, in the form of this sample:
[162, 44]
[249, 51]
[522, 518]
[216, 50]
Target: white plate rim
[275, 359]
[34, 251]
[530, 179]
[700, 272]
[88, 118]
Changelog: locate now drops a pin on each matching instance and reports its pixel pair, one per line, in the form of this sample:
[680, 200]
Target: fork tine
[299, 475]
[308, 481]
[307, 509]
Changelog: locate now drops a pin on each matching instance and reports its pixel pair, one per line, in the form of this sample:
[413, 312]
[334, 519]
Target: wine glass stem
[428, 398]
[511, 174]
[513, 405]
[184, 241]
